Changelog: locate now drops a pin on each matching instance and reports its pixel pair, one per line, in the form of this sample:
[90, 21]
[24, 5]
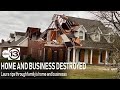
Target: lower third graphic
[12, 53]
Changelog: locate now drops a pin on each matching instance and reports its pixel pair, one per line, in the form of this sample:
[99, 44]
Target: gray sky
[11, 21]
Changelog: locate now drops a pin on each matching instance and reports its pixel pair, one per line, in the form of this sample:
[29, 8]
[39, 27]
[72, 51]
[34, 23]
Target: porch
[87, 55]
[55, 53]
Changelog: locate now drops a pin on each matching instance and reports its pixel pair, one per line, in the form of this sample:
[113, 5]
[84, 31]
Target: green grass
[6, 60]
[91, 72]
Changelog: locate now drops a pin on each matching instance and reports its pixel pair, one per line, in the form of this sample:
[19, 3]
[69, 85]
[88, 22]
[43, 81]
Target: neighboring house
[21, 40]
[35, 44]
[33, 33]
[77, 39]
[36, 49]
[17, 39]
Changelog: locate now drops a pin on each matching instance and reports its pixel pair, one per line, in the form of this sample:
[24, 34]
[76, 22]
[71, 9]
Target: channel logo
[12, 53]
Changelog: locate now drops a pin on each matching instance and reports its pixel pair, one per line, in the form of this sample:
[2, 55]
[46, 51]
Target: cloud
[11, 21]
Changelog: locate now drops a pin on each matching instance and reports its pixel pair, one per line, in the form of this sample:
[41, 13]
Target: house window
[97, 37]
[111, 38]
[81, 34]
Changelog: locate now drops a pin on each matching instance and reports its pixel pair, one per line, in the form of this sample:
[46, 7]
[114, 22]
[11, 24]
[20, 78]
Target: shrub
[29, 58]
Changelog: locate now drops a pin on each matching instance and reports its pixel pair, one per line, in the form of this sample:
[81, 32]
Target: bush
[29, 58]
[3, 60]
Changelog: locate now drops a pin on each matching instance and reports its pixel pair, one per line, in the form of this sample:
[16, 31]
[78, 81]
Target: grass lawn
[92, 72]
[6, 60]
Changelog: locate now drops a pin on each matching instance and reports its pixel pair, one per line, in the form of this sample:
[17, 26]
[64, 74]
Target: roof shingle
[20, 33]
[89, 43]
[91, 25]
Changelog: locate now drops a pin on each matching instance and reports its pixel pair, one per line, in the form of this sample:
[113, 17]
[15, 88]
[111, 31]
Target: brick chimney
[2, 41]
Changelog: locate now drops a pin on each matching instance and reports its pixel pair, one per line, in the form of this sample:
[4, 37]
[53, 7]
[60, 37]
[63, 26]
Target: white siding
[77, 55]
[11, 39]
[95, 38]
[77, 34]
[24, 43]
[99, 57]
[17, 37]
[65, 38]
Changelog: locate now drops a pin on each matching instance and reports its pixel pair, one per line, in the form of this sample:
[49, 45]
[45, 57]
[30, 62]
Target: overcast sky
[11, 21]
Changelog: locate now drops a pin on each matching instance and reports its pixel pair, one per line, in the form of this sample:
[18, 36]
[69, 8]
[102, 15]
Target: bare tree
[112, 19]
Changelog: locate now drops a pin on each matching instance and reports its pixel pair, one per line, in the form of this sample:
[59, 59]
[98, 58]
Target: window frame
[82, 32]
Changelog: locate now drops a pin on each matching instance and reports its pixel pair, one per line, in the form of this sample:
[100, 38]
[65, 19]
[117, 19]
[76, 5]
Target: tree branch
[116, 17]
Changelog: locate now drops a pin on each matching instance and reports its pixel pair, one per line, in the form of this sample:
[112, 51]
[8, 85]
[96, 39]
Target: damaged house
[74, 39]
[26, 41]
[16, 39]
[67, 39]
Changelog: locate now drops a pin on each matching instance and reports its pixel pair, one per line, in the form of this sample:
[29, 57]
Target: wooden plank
[49, 54]
[53, 35]
[82, 53]
[59, 40]
[95, 57]
[60, 55]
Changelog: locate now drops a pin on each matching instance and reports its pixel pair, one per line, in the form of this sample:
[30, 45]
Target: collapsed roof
[91, 26]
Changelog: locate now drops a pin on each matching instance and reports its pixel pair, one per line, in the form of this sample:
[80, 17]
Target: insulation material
[59, 40]
[77, 41]
[53, 35]
[61, 20]
[75, 29]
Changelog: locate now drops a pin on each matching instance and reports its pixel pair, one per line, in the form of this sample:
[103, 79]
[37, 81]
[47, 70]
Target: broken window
[65, 27]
